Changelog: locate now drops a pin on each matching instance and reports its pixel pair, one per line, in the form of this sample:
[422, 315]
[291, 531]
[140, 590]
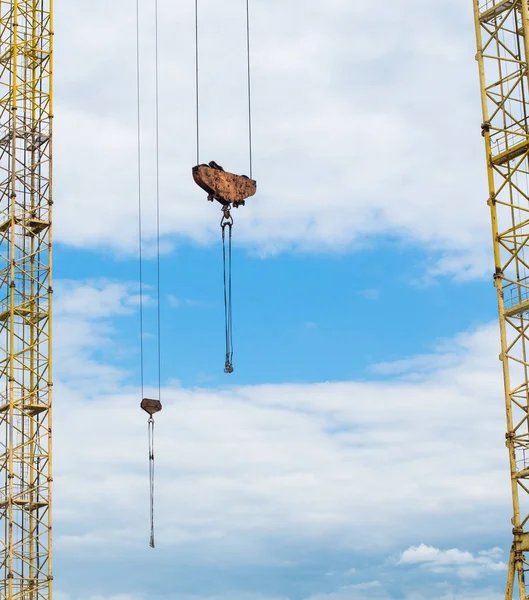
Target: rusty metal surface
[226, 188]
[151, 406]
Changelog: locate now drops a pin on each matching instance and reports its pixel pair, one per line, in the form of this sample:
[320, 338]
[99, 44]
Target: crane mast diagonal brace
[502, 30]
[25, 298]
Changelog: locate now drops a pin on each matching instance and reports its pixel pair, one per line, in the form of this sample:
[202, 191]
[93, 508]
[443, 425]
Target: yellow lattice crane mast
[25, 298]
[502, 33]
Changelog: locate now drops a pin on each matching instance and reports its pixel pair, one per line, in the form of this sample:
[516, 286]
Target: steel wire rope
[157, 134]
[151, 478]
[139, 184]
[140, 250]
[197, 86]
[249, 83]
[158, 292]
[226, 260]
[158, 287]
[227, 220]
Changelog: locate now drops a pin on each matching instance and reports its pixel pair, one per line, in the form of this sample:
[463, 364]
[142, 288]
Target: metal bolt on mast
[25, 298]
[502, 30]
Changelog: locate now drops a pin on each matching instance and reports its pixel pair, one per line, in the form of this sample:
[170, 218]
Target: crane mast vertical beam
[502, 34]
[25, 298]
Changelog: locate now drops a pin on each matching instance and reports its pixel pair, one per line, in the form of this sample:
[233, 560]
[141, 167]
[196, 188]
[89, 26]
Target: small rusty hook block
[151, 406]
[226, 188]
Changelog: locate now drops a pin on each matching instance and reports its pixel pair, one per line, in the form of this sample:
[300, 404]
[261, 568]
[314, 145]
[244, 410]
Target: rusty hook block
[227, 188]
[151, 406]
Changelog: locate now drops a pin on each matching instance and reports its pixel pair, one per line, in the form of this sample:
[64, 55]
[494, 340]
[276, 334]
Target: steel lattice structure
[25, 298]
[502, 27]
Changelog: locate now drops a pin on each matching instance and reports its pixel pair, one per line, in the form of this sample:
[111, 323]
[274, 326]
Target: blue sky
[357, 450]
[297, 317]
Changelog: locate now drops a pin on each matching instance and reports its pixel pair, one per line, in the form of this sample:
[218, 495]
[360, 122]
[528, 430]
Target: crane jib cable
[229, 189]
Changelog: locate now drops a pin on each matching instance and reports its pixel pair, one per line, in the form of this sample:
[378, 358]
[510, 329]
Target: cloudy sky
[357, 450]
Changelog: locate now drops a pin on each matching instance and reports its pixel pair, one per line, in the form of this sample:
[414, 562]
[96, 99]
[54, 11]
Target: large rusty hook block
[226, 188]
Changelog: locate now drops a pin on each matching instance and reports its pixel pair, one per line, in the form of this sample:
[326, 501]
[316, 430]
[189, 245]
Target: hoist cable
[230, 321]
[197, 83]
[249, 87]
[157, 127]
[140, 243]
[227, 221]
[151, 478]
[226, 259]
[139, 157]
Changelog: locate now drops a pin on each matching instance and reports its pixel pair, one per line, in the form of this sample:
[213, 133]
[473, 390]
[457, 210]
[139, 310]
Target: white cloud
[494, 553]
[59, 595]
[445, 355]
[95, 299]
[175, 302]
[462, 563]
[83, 326]
[364, 591]
[246, 475]
[480, 594]
[380, 591]
[367, 591]
[353, 464]
[368, 585]
[363, 121]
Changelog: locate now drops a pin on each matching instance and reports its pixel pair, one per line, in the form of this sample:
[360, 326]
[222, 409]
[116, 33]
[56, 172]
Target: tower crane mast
[502, 35]
[25, 298]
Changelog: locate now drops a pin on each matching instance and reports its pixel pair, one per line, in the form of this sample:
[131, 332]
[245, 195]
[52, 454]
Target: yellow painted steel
[502, 30]
[25, 298]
